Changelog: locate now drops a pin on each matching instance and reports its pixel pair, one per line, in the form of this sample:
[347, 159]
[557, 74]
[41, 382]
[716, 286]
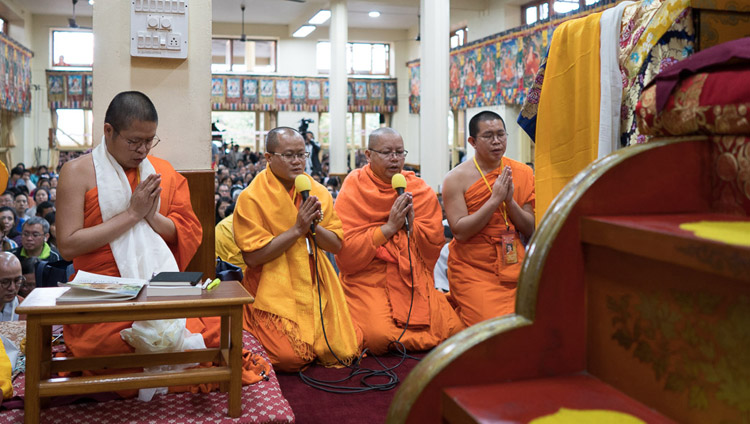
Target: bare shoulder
[78, 174]
[460, 178]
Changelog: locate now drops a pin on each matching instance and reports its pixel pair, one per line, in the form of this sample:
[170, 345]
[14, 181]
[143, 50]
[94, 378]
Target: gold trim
[528, 282]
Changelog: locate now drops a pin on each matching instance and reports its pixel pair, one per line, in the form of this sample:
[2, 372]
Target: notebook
[176, 278]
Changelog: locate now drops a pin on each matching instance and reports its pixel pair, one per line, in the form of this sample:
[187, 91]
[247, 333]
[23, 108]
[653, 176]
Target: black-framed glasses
[502, 135]
[137, 144]
[18, 281]
[291, 156]
[34, 234]
[396, 154]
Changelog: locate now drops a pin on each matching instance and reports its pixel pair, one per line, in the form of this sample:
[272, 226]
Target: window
[361, 58]
[73, 48]
[233, 55]
[540, 10]
[2, 26]
[458, 37]
[74, 128]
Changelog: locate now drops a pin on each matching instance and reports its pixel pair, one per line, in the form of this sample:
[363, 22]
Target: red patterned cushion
[262, 402]
[716, 102]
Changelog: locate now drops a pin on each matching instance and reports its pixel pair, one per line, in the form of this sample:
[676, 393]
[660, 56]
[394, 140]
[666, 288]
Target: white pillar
[179, 88]
[433, 117]
[338, 87]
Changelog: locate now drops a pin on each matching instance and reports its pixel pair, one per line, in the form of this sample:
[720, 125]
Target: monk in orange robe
[489, 202]
[375, 259]
[162, 200]
[272, 228]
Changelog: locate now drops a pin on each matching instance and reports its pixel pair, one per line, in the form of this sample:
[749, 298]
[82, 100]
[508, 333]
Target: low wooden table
[42, 312]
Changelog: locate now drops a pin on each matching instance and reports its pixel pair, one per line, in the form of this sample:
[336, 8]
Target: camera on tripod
[303, 124]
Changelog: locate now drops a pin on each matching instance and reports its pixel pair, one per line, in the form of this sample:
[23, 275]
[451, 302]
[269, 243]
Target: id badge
[510, 254]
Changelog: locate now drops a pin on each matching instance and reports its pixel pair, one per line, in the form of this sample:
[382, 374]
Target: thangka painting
[69, 89]
[496, 70]
[268, 93]
[15, 75]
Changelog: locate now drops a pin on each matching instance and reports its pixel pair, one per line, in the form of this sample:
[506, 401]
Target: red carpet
[316, 406]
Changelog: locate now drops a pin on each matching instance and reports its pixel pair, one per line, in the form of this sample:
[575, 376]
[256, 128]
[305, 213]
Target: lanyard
[505, 215]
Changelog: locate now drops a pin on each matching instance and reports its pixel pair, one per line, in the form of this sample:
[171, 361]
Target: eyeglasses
[502, 135]
[397, 154]
[7, 282]
[137, 144]
[290, 156]
[35, 235]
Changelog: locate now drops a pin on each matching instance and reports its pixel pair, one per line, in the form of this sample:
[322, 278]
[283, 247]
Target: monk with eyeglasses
[489, 203]
[391, 244]
[288, 275]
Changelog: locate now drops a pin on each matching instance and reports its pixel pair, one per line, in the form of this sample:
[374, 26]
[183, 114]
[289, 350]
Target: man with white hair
[11, 280]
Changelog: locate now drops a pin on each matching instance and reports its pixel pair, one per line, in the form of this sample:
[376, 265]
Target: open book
[89, 287]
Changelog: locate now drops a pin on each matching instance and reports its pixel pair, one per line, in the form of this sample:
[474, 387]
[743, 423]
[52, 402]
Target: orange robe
[481, 284]
[375, 271]
[104, 338]
[285, 317]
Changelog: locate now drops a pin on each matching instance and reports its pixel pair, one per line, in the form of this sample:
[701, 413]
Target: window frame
[350, 54]
[231, 41]
[3, 25]
[551, 9]
[461, 42]
[52, 59]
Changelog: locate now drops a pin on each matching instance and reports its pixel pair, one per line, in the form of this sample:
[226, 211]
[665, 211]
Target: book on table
[89, 287]
[169, 278]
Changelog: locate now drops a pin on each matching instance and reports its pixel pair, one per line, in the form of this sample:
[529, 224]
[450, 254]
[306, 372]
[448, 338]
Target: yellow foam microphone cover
[398, 182]
[302, 183]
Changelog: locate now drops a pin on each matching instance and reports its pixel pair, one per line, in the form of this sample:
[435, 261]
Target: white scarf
[139, 252]
[610, 80]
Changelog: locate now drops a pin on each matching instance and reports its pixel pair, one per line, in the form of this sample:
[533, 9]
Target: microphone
[398, 182]
[303, 187]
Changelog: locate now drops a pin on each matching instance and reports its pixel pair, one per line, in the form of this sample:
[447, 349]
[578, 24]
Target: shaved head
[378, 134]
[272, 139]
[8, 261]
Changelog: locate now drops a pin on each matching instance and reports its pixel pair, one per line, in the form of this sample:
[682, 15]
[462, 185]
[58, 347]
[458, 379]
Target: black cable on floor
[367, 374]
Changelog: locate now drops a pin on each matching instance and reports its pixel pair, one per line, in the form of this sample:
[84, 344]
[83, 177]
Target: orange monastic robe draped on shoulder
[375, 271]
[104, 338]
[481, 283]
[285, 317]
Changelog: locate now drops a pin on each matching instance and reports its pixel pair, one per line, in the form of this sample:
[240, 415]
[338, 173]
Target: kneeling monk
[489, 203]
[124, 213]
[374, 261]
[272, 229]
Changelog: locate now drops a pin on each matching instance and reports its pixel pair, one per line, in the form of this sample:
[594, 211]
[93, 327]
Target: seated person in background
[226, 248]
[124, 213]
[44, 208]
[6, 199]
[11, 279]
[489, 202]
[272, 229]
[34, 241]
[374, 261]
[28, 269]
[7, 227]
[20, 203]
[52, 240]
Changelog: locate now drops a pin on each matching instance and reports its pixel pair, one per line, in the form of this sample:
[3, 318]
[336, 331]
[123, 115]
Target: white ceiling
[395, 14]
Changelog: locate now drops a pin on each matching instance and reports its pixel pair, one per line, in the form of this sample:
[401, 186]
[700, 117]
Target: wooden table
[42, 312]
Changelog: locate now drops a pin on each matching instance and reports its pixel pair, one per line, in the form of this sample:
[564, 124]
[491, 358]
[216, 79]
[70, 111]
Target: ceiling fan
[243, 37]
[72, 21]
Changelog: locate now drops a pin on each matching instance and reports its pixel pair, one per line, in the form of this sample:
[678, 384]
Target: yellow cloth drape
[226, 248]
[731, 232]
[567, 131]
[285, 288]
[6, 372]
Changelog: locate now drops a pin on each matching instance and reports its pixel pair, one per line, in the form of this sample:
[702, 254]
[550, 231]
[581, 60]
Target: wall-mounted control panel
[159, 28]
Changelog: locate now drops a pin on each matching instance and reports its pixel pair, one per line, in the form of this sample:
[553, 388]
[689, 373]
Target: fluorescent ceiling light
[320, 18]
[374, 14]
[304, 31]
